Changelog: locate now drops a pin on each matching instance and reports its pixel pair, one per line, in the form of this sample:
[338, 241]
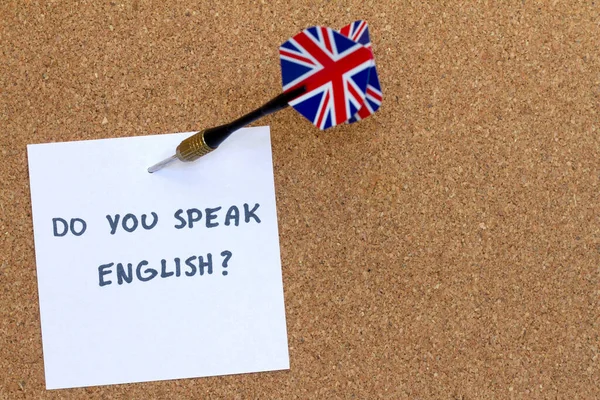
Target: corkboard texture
[446, 248]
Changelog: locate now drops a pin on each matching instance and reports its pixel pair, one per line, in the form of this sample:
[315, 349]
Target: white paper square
[167, 327]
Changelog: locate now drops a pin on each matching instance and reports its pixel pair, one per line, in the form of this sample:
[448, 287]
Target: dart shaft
[215, 136]
[205, 141]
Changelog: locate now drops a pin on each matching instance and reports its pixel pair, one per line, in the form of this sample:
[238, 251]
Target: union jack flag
[358, 31]
[334, 71]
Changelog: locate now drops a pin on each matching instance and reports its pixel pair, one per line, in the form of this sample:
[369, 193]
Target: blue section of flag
[327, 121]
[373, 105]
[288, 45]
[353, 109]
[342, 43]
[362, 77]
[310, 106]
[313, 31]
[291, 71]
[374, 79]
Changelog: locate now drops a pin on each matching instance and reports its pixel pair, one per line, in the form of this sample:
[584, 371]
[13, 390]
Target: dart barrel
[193, 147]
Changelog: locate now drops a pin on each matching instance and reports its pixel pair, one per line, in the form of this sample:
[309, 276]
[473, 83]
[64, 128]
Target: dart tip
[162, 164]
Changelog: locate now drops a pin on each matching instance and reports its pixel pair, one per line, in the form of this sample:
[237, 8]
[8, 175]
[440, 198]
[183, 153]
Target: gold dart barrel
[193, 147]
[189, 149]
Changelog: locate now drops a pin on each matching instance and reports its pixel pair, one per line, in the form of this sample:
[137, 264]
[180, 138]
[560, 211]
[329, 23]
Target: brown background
[448, 247]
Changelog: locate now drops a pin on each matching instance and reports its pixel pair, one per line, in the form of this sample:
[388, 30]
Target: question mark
[227, 254]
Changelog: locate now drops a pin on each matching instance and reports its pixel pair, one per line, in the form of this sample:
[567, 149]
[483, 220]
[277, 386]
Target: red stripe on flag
[364, 112]
[346, 30]
[353, 92]
[296, 57]
[374, 94]
[326, 39]
[339, 100]
[322, 113]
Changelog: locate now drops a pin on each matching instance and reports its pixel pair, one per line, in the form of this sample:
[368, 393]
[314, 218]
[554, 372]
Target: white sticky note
[115, 306]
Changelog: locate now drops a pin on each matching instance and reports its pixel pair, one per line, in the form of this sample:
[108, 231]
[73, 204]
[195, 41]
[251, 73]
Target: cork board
[448, 247]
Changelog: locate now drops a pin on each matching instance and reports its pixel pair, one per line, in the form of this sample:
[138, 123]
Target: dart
[329, 77]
